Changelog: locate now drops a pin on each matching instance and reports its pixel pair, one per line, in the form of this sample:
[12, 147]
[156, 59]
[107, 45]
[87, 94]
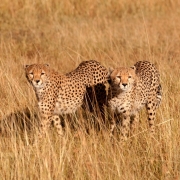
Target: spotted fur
[59, 94]
[130, 90]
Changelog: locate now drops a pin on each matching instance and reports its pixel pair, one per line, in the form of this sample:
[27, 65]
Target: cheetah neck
[128, 91]
[41, 91]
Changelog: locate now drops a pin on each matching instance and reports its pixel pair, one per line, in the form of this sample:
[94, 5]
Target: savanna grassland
[64, 33]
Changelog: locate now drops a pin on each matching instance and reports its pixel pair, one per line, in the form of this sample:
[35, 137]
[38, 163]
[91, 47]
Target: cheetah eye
[31, 73]
[118, 77]
[129, 76]
[42, 73]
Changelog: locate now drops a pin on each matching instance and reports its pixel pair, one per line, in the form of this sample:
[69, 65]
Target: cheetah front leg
[113, 121]
[57, 124]
[44, 124]
[134, 120]
[125, 125]
[113, 125]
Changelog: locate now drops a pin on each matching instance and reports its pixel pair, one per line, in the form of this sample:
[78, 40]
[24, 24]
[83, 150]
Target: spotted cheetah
[59, 94]
[131, 89]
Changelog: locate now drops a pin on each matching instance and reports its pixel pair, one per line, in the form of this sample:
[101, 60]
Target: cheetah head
[37, 74]
[122, 77]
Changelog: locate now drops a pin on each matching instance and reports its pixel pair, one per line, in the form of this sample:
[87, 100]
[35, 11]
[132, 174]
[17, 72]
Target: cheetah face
[122, 78]
[37, 74]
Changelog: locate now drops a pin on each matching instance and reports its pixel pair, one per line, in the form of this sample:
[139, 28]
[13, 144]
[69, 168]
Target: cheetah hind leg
[151, 111]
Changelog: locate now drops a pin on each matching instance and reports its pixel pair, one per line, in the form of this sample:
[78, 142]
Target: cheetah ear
[133, 67]
[25, 66]
[47, 65]
[111, 70]
[109, 73]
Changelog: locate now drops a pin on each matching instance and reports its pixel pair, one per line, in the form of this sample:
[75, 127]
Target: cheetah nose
[124, 84]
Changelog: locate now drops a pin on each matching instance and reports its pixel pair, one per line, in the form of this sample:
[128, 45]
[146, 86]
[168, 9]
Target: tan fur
[62, 94]
[130, 90]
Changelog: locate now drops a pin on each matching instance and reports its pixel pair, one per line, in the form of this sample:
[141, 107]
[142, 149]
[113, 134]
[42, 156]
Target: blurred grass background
[64, 33]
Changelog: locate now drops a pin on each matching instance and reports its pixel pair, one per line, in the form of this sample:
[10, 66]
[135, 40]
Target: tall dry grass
[64, 33]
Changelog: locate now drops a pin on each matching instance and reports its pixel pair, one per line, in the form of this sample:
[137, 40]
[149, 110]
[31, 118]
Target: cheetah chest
[126, 102]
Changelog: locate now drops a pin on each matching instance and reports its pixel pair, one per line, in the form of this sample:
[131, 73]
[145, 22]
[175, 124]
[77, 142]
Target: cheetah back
[149, 78]
[90, 73]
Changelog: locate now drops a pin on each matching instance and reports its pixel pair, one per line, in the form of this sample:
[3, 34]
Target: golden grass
[63, 33]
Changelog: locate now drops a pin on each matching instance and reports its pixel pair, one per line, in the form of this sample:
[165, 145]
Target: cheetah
[59, 94]
[132, 88]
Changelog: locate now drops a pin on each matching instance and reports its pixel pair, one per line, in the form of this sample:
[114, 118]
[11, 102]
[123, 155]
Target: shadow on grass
[18, 122]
